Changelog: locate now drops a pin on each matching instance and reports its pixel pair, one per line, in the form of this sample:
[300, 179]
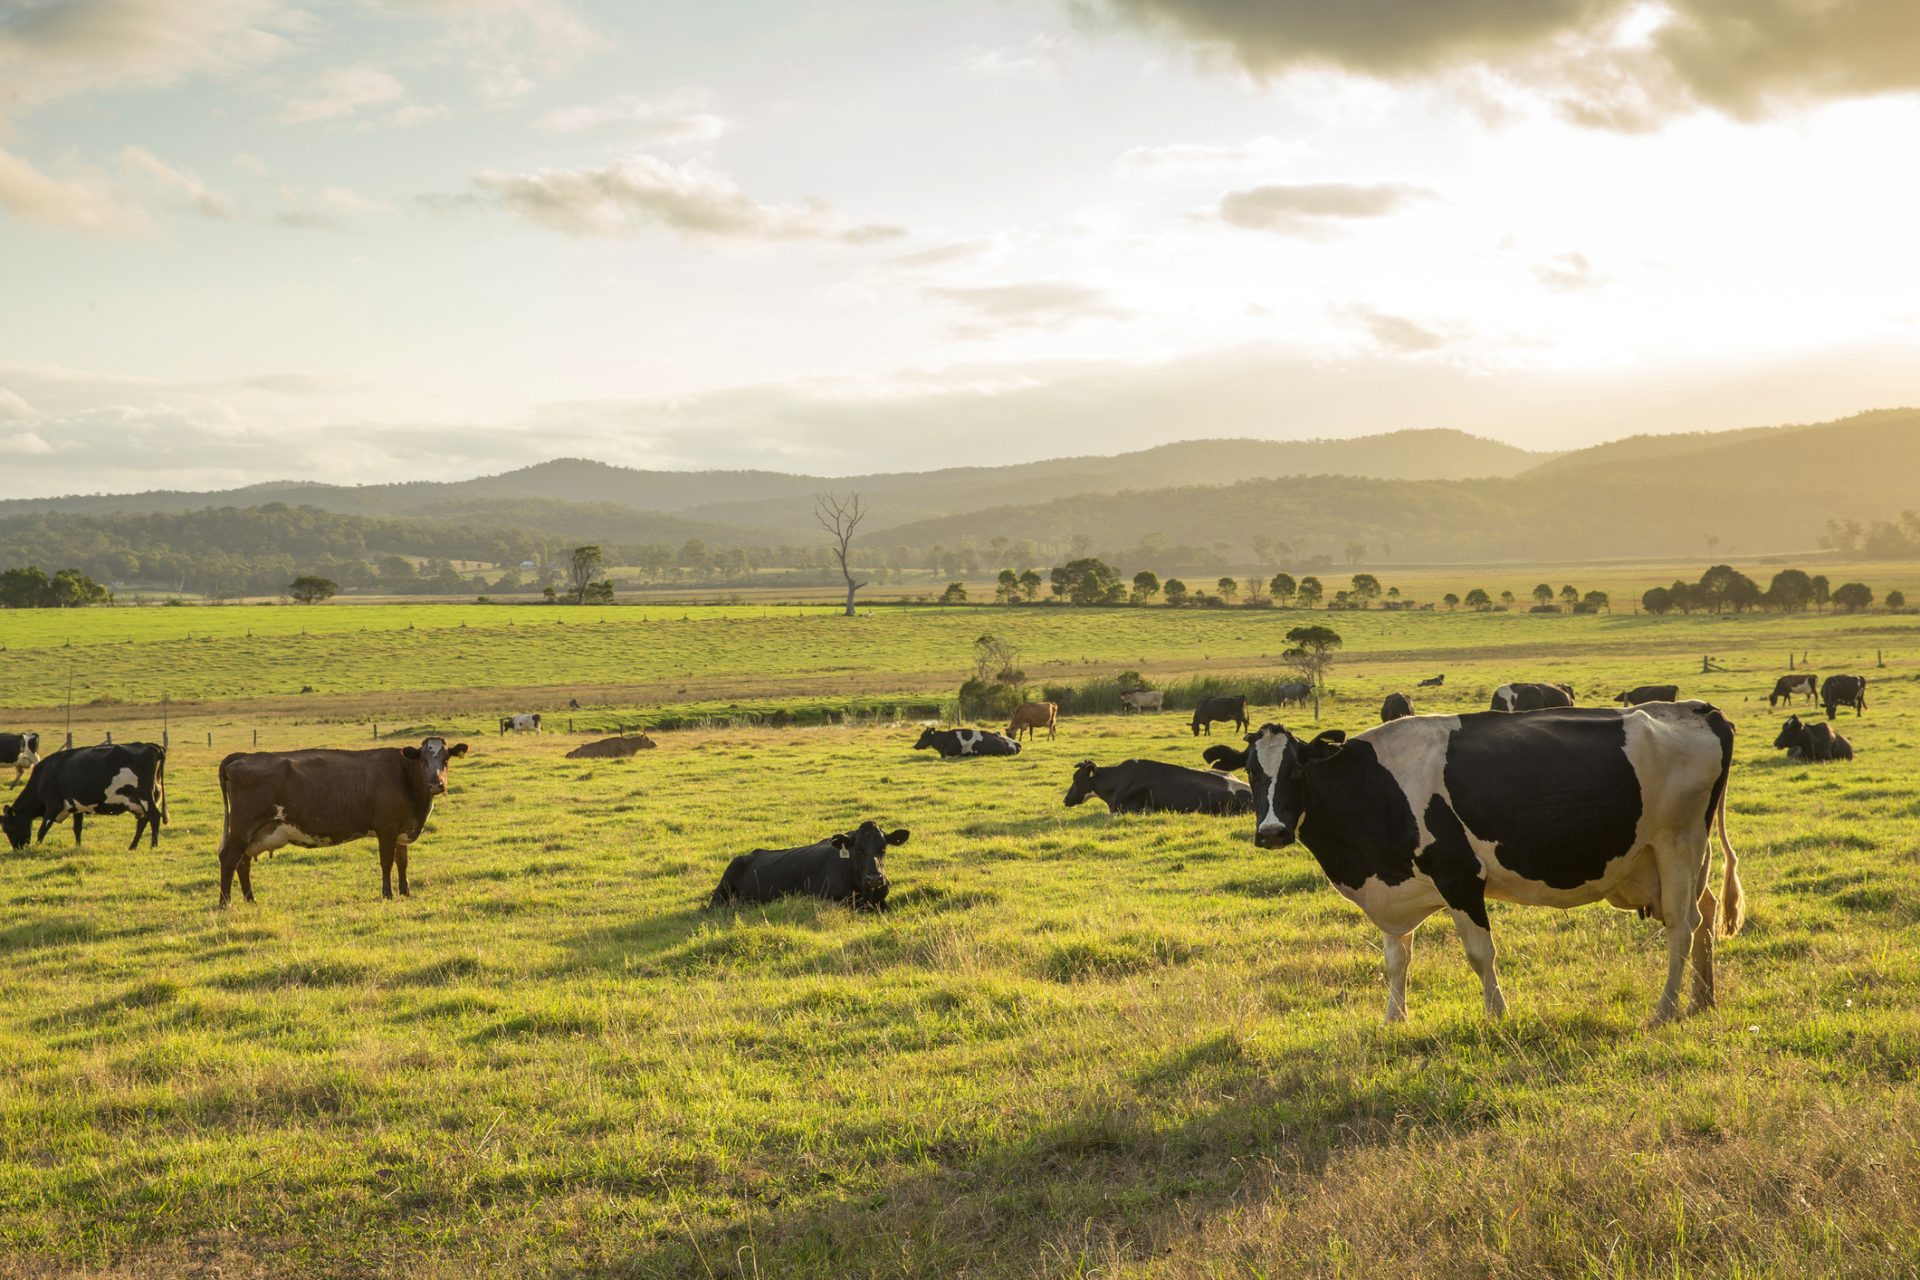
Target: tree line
[29, 587]
[1723, 589]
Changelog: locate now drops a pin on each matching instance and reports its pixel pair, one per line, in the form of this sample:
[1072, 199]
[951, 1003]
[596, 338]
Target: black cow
[1434, 683]
[1152, 786]
[1786, 686]
[1844, 691]
[953, 743]
[1816, 741]
[1297, 693]
[121, 777]
[1559, 808]
[1396, 706]
[1227, 706]
[21, 750]
[1225, 758]
[1531, 697]
[1648, 693]
[841, 868]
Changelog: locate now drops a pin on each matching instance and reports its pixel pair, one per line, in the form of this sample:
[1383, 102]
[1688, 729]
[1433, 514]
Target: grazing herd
[1535, 801]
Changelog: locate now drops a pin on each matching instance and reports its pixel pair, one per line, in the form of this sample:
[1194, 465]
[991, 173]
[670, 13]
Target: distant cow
[1531, 697]
[841, 868]
[620, 748]
[1816, 741]
[121, 777]
[1844, 691]
[21, 750]
[1295, 693]
[1396, 706]
[1153, 786]
[1142, 700]
[1786, 686]
[1224, 707]
[954, 743]
[318, 798]
[1434, 683]
[1648, 693]
[1031, 716]
[530, 722]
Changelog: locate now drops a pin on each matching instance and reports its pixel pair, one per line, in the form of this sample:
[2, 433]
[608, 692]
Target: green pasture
[1079, 1045]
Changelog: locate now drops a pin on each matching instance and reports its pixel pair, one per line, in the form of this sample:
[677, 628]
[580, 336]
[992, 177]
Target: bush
[987, 700]
[1544, 608]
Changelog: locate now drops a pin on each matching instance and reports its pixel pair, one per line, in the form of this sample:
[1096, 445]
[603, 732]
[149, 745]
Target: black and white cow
[1844, 691]
[1648, 693]
[1434, 683]
[1816, 741]
[21, 750]
[1153, 786]
[841, 868]
[1396, 707]
[123, 777]
[526, 722]
[1294, 693]
[1531, 697]
[953, 743]
[1226, 706]
[1787, 686]
[1558, 808]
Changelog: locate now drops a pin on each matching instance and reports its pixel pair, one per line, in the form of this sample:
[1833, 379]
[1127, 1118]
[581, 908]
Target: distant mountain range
[1408, 495]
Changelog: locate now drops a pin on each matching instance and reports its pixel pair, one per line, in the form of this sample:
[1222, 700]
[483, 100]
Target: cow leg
[1399, 952]
[1679, 884]
[386, 865]
[1702, 999]
[140, 829]
[233, 857]
[1477, 939]
[400, 864]
[77, 816]
[246, 875]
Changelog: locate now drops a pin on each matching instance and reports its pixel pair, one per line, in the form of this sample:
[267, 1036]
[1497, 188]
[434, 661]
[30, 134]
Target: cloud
[77, 204]
[1630, 63]
[341, 91]
[13, 406]
[1396, 334]
[939, 255]
[510, 45]
[1568, 272]
[1312, 208]
[642, 191]
[322, 209]
[1182, 157]
[674, 121]
[176, 186]
[1035, 304]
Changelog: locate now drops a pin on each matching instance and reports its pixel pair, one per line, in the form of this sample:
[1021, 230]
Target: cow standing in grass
[1786, 687]
[22, 751]
[1142, 700]
[1032, 715]
[319, 798]
[1844, 691]
[118, 777]
[1226, 706]
[528, 722]
[1397, 707]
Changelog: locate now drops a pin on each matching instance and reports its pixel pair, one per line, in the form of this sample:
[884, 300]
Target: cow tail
[160, 784]
[1733, 899]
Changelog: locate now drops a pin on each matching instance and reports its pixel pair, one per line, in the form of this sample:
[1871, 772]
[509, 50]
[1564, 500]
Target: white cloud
[83, 203]
[1033, 304]
[510, 45]
[1568, 272]
[342, 91]
[631, 195]
[677, 120]
[176, 186]
[1312, 208]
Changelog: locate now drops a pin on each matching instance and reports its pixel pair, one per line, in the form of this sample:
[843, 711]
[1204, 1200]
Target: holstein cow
[21, 750]
[1648, 693]
[1531, 697]
[1296, 693]
[841, 868]
[1559, 808]
[318, 798]
[1032, 715]
[1397, 706]
[1844, 691]
[1434, 683]
[953, 743]
[1142, 700]
[1786, 686]
[122, 777]
[1224, 707]
[1816, 741]
[521, 723]
[1153, 786]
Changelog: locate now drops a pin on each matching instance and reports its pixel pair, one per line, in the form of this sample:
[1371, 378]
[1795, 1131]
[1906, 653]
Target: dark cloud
[1312, 208]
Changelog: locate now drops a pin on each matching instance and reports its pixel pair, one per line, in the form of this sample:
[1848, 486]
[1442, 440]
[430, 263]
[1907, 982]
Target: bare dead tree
[840, 518]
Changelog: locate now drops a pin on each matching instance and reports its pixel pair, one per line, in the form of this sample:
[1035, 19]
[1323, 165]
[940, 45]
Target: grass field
[1079, 1045]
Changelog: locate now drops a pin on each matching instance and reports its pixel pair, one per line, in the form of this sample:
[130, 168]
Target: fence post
[256, 737]
[109, 737]
[209, 737]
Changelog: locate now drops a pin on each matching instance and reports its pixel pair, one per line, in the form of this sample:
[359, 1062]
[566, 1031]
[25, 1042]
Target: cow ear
[897, 836]
[838, 840]
[1326, 746]
[411, 753]
[457, 749]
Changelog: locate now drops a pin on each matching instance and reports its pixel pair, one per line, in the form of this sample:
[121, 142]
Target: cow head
[926, 739]
[434, 755]
[1793, 736]
[1083, 776]
[15, 822]
[1225, 758]
[867, 847]
[1277, 771]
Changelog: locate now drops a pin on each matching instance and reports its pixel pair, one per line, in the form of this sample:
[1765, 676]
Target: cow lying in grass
[1816, 741]
[842, 868]
[1150, 786]
[954, 743]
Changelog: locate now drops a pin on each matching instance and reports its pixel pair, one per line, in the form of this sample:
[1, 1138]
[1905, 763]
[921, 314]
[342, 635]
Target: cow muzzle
[1272, 835]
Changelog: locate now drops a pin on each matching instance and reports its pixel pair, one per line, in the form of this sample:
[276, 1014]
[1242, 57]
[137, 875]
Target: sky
[352, 241]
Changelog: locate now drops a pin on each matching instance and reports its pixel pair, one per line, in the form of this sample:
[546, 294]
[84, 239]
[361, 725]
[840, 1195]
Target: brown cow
[1032, 715]
[319, 798]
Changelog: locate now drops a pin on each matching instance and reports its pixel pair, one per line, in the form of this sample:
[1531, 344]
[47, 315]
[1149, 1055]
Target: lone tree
[1311, 655]
[311, 588]
[1146, 585]
[583, 566]
[840, 517]
[1853, 596]
[1366, 588]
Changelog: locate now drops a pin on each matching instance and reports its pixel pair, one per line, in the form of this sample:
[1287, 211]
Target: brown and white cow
[1031, 716]
[323, 797]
